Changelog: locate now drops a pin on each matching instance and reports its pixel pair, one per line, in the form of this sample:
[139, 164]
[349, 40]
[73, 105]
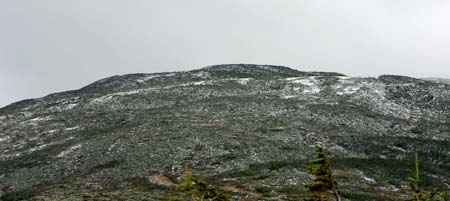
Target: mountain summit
[249, 129]
[258, 71]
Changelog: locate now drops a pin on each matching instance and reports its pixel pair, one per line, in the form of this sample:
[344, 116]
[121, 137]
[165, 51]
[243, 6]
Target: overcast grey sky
[49, 46]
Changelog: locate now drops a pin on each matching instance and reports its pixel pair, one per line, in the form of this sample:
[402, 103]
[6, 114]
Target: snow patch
[348, 90]
[4, 138]
[169, 74]
[72, 128]
[309, 81]
[306, 82]
[38, 148]
[311, 84]
[292, 78]
[312, 90]
[68, 151]
[110, 96]
[201, 74]
[127, 93]
[147, 78]
[51, 131]
[288, 97]
[244, 81]
[37, 119]
[344, 77]
[101, 99]
[199, 83]
[194, 83]
[71, 106]
[370, 180]
[391, 188]
[60, 108]
[65, 104]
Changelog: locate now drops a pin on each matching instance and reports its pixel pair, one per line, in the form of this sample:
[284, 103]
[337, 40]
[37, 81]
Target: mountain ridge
[249, 128]
[302, 73]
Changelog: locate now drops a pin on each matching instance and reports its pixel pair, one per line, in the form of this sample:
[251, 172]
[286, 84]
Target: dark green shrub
[23, 194]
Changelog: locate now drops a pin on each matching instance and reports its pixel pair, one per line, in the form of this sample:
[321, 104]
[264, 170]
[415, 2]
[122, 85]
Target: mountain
[438, 80]
[249, 129]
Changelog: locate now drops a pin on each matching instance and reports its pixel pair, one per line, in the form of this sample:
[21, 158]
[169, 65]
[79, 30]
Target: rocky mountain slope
[249, 129]
[438, 80]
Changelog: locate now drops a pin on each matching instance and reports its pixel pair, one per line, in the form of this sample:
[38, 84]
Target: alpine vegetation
[246, 131]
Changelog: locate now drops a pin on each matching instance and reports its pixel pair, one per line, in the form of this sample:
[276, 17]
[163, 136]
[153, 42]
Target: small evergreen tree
[199, 190]
[415, 185]
[414, 182]
[324, 181]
